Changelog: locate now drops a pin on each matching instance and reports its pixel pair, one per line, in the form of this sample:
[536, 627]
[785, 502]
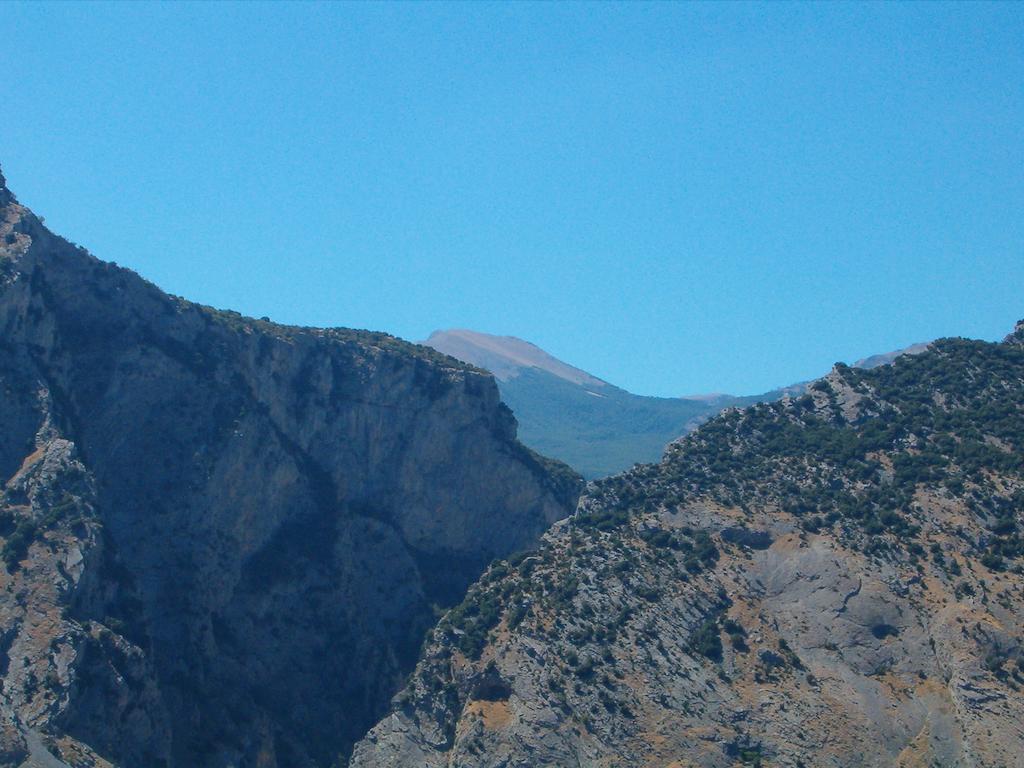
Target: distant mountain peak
[888, 357]
[505, 356]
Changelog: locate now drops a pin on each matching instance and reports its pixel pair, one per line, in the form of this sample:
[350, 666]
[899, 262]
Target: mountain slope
[507, 357]
[222, 538]
[830, 580]
[595, 427]
[596, 431]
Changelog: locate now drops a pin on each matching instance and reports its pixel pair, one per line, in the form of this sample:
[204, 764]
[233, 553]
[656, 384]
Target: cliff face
[831, 580]
[223, 537]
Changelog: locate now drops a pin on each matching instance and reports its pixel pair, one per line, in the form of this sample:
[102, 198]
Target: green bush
[706, 641]
[17, 544]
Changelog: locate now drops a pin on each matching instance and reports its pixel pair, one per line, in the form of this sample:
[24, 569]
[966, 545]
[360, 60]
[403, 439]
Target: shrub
[707, 642]
[18, 543]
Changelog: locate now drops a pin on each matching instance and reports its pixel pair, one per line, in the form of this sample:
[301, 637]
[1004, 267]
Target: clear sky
[677, 198]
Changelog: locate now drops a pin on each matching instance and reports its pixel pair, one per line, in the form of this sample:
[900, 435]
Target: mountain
[834, 579]
[508, 357]
[888, 357]
[595, 427]
[223, 539]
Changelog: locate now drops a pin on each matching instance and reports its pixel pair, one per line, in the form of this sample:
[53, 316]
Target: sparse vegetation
[914, 469]
[18, 541]
[943, 419]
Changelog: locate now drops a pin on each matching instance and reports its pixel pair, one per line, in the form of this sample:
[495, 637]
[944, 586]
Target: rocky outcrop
[831, 580]
[225, 539]
[1017, 337]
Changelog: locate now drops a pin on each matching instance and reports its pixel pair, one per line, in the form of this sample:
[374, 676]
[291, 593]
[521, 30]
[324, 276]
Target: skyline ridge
[754, 187]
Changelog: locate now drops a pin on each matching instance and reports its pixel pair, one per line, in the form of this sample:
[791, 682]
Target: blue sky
[677, 198]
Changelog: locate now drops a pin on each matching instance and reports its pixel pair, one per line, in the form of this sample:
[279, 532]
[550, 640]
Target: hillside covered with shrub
[835, 579]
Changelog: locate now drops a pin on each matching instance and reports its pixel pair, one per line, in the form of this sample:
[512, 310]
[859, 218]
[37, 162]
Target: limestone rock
[833, 580]
[224, 537]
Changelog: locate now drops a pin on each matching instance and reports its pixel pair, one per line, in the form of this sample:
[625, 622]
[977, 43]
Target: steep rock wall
[263, 515]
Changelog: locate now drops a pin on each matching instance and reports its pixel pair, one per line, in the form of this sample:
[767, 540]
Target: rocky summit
[223, 539]
[835, 579]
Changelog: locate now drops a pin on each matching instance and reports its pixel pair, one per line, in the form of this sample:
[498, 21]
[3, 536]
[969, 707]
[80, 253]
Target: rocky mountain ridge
[835, 579]
[223, 539]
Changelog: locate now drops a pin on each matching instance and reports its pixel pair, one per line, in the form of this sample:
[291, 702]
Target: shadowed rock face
[831, 580]
[222, 536]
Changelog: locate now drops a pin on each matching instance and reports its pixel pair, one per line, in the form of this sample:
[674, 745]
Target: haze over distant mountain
[595, 427]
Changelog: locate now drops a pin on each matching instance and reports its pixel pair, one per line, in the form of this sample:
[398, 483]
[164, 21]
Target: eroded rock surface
[832, 580]
[223, 538]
